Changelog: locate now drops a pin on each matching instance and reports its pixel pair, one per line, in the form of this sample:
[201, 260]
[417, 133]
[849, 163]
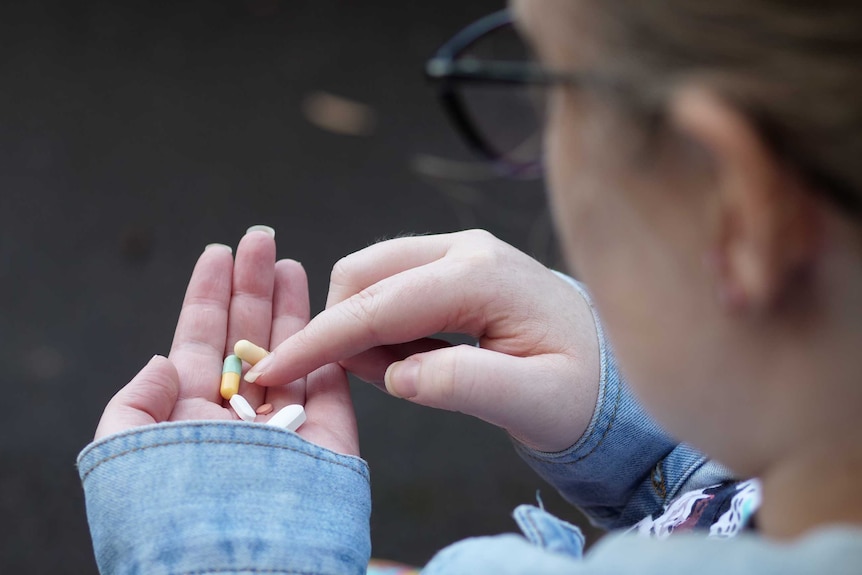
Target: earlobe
[728, 292]
[764, 220]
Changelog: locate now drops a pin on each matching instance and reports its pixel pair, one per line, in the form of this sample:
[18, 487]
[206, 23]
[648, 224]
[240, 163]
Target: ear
[764, 218]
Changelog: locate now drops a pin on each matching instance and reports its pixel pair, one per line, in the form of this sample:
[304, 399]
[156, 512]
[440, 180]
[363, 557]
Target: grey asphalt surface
[134, 133]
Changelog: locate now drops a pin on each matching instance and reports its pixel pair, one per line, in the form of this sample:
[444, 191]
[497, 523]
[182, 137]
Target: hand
[254, 298]
[535, 373]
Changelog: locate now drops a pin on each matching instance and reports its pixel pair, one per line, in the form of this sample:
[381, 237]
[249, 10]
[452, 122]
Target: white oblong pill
[290, 417]
[242, 407]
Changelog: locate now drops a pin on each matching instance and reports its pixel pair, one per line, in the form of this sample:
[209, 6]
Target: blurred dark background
[134, 133]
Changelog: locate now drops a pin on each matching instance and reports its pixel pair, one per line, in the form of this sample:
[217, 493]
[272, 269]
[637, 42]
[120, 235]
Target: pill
[230, 376]
[290, 417]
[247, 351]
[242, 407]
[264, 409]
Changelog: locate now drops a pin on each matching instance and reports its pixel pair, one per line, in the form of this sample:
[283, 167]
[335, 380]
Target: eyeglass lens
[508, 117]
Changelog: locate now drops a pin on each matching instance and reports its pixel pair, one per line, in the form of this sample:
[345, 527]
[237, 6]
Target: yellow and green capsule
[230, 376]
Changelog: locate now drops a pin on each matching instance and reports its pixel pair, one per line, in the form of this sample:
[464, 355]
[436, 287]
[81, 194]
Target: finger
[331, 419]
[402, 308]
[290, 313]
[199, 341]
[372, 364]
[521, 395]
[148, 398]
[353, 273]
[251, 302]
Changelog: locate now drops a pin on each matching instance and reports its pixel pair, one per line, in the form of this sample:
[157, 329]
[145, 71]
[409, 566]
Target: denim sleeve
[625, 466]
[224, 497]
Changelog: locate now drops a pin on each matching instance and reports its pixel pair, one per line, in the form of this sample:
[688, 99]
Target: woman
[701, 160]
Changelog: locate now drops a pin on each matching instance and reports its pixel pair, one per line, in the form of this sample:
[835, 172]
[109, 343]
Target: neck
[819, 487]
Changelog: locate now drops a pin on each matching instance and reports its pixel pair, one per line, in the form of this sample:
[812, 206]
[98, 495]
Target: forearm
[227, 498]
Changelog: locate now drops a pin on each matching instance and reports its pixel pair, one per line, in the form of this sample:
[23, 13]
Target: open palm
[254, 298]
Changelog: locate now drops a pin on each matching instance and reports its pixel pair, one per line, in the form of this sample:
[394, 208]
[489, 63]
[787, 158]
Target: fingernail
[220, 246]
[400, 378]
[258, 369]
[261, 228]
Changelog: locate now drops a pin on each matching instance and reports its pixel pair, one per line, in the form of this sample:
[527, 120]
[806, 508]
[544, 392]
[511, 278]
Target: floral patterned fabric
[723, 510]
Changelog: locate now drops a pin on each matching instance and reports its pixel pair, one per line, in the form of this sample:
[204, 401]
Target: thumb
[148, 398]
[531, 397]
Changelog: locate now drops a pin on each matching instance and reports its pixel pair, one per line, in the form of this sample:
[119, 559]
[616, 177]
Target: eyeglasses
[494, 93]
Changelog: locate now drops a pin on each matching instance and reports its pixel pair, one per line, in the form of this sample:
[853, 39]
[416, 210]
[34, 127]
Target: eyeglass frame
[445, 69]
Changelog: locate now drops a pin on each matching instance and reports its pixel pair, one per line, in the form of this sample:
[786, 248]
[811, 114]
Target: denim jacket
[234, 497]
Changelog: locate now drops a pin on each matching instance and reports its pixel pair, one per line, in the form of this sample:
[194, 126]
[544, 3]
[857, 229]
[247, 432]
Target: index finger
[351, 276]
[405, 307]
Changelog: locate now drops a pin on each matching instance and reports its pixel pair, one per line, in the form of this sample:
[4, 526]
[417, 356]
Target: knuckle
[341, 272]
[483, 251]
[478, 235]
[482, 259]
[342, 280]
[452, 379]
[464, 375]
[304, 339]
[364, 308]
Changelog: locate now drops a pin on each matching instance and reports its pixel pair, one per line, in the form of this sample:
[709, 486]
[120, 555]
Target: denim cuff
[215, 497]
[606, 473]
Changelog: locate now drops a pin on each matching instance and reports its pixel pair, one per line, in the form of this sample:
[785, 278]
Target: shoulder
[837, 551]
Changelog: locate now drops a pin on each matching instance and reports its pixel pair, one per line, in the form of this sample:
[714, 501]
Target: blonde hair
[794, 67]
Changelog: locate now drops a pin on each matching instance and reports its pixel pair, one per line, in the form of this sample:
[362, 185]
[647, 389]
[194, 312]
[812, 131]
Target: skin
[729, 289]
[250, 297]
